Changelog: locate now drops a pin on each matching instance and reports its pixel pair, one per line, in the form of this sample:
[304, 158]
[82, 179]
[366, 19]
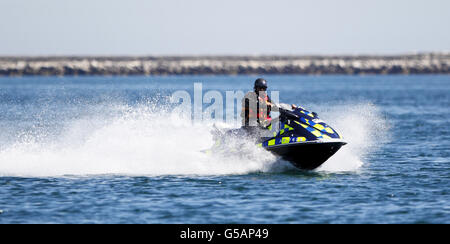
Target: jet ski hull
[307, 155]
[299, 137]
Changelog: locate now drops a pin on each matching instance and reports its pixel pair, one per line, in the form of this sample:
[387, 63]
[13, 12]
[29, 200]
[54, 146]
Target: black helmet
[260, 83]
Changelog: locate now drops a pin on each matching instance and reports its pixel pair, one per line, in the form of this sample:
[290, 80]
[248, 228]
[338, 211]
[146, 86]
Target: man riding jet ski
[256, 108]
[297, 135]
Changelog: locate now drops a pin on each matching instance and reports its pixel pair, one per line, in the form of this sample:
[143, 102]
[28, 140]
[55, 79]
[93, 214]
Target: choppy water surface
[108, 150]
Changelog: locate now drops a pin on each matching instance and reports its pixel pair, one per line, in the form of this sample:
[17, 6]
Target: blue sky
[182, 27]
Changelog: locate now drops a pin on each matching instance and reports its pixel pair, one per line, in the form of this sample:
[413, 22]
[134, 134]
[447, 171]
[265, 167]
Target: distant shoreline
[425, 63]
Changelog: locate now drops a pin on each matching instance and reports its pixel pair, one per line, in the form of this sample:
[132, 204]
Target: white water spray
[144, 141]
[364, 129]
[139, 142]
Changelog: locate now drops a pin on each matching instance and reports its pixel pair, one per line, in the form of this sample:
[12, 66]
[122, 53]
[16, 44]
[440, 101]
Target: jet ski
[297, 136]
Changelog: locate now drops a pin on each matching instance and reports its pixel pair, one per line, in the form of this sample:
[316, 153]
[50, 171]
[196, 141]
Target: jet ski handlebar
[288, 114]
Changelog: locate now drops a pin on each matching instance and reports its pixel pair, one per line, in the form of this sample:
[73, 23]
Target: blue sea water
[108, 150]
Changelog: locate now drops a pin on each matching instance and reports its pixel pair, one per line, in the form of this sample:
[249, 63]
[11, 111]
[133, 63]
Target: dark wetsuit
[256, 112]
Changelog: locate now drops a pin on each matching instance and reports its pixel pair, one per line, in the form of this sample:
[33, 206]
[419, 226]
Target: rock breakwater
[429, 63]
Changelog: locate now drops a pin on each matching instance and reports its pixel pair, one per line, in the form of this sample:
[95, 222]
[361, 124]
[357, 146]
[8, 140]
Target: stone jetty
[425, 63]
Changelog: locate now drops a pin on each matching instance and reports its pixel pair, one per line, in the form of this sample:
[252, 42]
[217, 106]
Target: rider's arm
[273, 106]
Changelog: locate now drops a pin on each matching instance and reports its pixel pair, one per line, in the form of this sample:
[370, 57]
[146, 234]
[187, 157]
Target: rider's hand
[294, 106]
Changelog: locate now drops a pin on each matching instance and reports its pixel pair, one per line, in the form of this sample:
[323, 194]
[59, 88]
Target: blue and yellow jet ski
[299, 136]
